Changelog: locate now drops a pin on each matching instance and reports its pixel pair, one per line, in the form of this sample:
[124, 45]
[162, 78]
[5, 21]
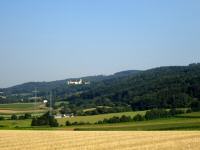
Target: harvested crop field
[72, 140]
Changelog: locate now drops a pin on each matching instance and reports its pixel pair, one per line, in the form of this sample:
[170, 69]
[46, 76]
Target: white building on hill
[75, 82]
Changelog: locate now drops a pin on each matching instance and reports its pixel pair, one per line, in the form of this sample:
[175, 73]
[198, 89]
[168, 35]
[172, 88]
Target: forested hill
[162, 87]
[61, 88]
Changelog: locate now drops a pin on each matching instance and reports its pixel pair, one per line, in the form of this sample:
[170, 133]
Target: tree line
[164, 87]
[149, 115]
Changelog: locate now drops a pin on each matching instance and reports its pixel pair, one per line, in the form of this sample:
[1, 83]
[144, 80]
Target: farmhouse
[3, 97]
[64, 116]
[45, 101]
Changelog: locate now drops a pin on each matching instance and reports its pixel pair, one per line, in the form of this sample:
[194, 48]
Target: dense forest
[59, 87]
[163, 87]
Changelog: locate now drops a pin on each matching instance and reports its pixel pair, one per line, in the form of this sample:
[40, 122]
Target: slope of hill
[60, 87]
[163, 87]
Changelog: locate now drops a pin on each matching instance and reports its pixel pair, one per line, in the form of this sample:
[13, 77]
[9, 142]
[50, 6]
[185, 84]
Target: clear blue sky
[43, 40]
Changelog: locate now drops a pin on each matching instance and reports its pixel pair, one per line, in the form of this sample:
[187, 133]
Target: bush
[114, 120]
[174, 112]
[156, 113]
[2, 118]
[195, 105]
[21, 117]
[53, 122]
[67, 123]
[14, 117]
[46, 119]
[27, 116]
[125, 118]
[99, 122]
[34, 122]
[189, 111]
[138, 117]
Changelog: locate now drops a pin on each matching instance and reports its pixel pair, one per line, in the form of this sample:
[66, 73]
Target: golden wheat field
[72, 140]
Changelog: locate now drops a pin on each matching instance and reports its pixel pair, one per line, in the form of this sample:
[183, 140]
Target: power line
[50, 105]
[35, 91]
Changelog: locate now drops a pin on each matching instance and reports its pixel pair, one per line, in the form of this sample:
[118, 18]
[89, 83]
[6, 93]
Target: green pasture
[183, 122]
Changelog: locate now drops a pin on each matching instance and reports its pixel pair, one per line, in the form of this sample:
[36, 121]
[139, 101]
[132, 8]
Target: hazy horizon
[52, 40]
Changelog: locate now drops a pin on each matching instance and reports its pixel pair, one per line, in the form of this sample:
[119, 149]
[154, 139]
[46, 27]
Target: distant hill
[163, 87]
[60, 87]
[126, 73]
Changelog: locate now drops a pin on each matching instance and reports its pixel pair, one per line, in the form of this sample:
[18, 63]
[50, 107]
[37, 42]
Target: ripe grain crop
[72, 140]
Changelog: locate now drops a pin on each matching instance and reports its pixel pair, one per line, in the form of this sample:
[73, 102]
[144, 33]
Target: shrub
[99, 122]
[14, 117]
[34, 122]
[21, 117]
[67, 123]
[2, 118]
[195, 105]
[188, 110]
[27, 116]
[156, 113]
[45, 119]
[53, 122]
[114, 120]
[138, 117]
[125, 118]
[174, 112]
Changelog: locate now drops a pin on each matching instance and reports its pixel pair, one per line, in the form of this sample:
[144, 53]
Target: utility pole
[50, 104]
[35, 91]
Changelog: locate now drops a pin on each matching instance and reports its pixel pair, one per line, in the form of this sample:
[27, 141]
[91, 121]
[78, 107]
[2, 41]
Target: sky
[46, 40]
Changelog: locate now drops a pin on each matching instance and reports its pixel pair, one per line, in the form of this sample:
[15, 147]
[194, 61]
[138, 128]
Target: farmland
[34, 140]
[19, 108]
[184, 122]
[95, 118]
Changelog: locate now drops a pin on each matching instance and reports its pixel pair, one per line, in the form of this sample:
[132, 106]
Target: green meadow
[189, 121]
[20, 108]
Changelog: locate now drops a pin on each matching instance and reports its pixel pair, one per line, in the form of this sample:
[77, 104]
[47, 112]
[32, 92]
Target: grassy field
[181, 122]
[54, 140]
[152, 125]
[189, 121]
[95, 118]
[18, 108]
[92, 119]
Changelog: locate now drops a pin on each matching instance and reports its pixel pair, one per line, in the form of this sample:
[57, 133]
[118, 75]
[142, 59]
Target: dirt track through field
[72, 140]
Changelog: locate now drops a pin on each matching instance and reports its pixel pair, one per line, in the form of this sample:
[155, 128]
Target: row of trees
[45, 120]
[100, 109]
[149, 115]
[104, 110]
[21, 117]
[2, 118]
[165, 87]
[15, 117]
